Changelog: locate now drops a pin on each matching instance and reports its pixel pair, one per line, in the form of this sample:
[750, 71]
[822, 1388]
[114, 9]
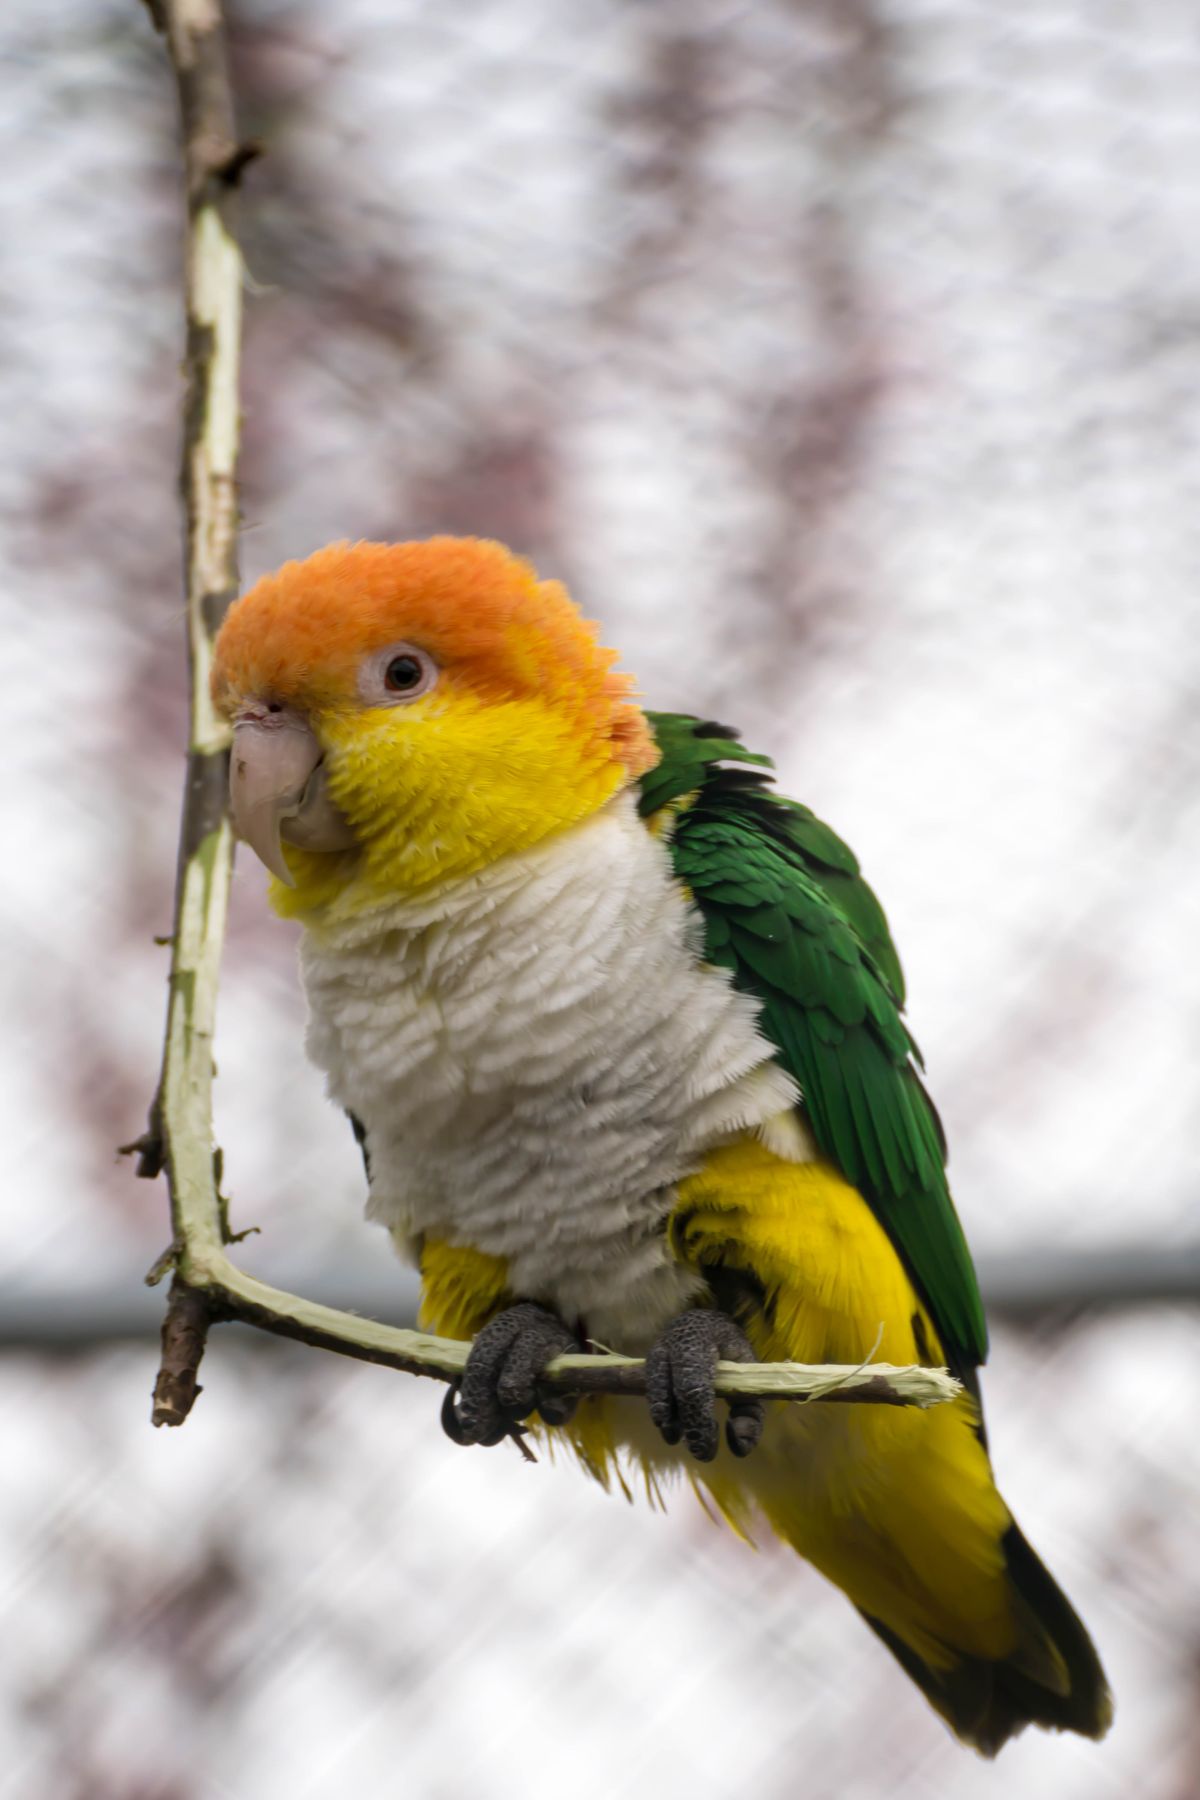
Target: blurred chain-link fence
[843, 357]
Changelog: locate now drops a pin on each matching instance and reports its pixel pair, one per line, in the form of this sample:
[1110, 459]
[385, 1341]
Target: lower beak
[277, 789]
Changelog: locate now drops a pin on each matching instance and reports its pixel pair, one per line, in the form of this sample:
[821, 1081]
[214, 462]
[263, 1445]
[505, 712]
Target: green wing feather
[787, 912]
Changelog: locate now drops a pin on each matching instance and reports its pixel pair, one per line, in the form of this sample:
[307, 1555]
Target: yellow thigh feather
[897, 1506]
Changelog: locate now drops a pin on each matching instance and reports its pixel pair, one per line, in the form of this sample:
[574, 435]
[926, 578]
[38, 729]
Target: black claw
[744, 1426]
[499, 1384]
[465, 1430]
[450, 1420]
[680, 1373]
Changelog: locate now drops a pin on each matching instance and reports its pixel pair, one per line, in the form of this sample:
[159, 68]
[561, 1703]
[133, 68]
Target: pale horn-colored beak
[277, 788]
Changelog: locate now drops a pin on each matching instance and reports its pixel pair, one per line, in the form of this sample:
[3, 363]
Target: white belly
[538, 1056]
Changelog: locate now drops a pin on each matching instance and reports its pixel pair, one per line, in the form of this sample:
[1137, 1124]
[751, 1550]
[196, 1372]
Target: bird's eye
[401, 672]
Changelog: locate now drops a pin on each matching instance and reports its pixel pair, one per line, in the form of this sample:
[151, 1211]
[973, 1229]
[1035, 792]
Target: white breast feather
[538, 1056]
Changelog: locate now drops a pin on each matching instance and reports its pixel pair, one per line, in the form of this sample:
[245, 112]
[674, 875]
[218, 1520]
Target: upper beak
[277, 789]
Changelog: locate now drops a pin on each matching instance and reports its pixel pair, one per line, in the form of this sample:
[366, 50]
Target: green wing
[788, 914]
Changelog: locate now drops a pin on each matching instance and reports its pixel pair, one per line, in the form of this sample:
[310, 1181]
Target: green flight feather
[787, 912]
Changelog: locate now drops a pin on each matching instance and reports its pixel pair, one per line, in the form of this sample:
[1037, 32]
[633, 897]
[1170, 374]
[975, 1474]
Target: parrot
[620, 1032]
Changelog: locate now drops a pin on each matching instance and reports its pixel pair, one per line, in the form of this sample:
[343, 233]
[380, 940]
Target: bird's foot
[680, 1374]
[499, 1385]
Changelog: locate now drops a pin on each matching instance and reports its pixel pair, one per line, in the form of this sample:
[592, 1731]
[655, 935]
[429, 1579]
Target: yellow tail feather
[899, 1508]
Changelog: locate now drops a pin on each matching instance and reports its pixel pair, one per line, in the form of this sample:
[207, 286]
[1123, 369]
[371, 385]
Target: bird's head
[405, 714]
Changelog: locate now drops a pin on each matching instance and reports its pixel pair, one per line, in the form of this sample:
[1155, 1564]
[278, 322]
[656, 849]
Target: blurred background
[843, 357]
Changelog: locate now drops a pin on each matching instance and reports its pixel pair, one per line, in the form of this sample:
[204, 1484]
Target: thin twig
[232, 1294]
[184, 1333]
[207, 1285]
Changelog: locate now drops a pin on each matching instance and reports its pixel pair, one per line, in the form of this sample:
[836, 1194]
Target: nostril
[274, 706]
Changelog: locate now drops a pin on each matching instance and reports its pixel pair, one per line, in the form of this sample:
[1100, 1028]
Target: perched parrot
[619, 1030]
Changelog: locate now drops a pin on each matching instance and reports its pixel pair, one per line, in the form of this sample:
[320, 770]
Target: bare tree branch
[232, 1294]
[207, 1286]
[179, 1136]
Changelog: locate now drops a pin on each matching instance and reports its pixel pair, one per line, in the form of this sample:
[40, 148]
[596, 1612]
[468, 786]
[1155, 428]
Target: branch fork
[207, 1285]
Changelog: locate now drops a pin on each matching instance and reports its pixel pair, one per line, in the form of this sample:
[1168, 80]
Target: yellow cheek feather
[441, 789]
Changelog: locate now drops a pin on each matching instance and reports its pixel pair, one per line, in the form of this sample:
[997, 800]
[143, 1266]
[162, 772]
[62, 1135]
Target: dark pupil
[403, 672]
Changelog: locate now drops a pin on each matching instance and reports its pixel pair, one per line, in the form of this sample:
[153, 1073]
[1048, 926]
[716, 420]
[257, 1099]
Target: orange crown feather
[300, 635]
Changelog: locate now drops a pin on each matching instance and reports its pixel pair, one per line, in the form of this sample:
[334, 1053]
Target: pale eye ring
[399, 673]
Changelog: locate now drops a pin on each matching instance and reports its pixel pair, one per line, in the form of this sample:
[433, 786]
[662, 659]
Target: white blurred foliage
[843, 358]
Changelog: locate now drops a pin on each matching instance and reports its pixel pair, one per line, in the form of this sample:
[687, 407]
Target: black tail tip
[986, 1703]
